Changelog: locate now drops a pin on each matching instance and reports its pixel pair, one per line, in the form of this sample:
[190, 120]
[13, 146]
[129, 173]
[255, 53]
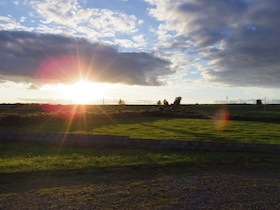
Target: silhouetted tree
[159, 105]
[259, 102]
[177, 102]
[165, 103]
[121, 105]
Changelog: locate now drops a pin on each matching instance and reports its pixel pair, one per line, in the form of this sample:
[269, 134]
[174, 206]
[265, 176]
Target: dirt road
[209, 187]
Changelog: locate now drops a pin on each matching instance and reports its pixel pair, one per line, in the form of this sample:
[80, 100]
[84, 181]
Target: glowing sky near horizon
[141, 51]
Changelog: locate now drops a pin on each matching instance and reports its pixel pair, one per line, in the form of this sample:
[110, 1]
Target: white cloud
[140, 22]
[8, 23]
[61, 12]
[139, 40]
[16, 2]
[127, 43]
[22, 19]
[72, 18]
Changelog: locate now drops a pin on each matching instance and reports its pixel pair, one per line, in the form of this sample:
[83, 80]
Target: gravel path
[205, 188]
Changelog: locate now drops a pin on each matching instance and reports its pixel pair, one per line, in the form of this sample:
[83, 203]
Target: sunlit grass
[83, 119]
[166, 128]
[195, 129]
[27, 157]
[33, 157]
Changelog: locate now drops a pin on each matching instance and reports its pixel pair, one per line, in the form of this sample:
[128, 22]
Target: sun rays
[82, 92]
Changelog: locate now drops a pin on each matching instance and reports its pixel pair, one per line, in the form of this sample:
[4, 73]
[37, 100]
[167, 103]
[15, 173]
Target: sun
[82, 92]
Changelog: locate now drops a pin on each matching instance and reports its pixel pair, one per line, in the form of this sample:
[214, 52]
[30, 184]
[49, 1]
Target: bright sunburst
[82, 92]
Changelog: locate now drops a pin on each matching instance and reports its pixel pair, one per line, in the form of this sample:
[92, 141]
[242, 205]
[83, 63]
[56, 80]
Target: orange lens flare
[65, 112]
[62, 68]
[221, 119]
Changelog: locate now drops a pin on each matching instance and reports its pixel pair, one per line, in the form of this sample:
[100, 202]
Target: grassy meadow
[136, 122]
[66, 177]
[239, 123]
[205, 123]
[30, 157]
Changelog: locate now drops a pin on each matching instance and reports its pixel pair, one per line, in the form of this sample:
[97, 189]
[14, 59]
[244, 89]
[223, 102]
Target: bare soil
[219, 186]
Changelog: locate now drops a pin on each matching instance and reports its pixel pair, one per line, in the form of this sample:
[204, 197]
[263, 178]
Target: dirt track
[214, 187]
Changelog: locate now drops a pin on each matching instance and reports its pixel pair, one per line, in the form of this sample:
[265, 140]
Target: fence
[127, 142]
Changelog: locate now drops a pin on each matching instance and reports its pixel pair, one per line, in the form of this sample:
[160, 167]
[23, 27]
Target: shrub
[12, 120]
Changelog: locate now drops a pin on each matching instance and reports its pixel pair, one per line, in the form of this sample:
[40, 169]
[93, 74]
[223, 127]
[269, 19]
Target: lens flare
[221, 119]
[62, 69]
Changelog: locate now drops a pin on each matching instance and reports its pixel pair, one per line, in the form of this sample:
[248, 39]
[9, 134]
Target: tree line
[161, 105]
[165, 103]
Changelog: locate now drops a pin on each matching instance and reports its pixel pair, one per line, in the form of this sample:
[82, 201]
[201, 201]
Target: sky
[140, 51]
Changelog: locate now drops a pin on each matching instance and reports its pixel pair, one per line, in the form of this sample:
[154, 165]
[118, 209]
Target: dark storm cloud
[239, 39]
[24, 54]
[209, 21]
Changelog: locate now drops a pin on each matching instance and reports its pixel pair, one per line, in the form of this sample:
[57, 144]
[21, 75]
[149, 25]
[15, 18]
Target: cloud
[138, 42]
[239, 40]
[47, 58]
[44, 100]
[32, 87]
[8, 23]
[71, 18]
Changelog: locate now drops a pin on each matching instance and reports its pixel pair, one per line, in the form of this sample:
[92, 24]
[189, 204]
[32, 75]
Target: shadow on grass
[36, 180]
[86, 124]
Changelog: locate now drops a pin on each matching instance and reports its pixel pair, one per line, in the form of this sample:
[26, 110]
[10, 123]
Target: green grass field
[22, 157]
[106, 120]
[28, 157]
[194, 129]
[165, 128]
[64, 177]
